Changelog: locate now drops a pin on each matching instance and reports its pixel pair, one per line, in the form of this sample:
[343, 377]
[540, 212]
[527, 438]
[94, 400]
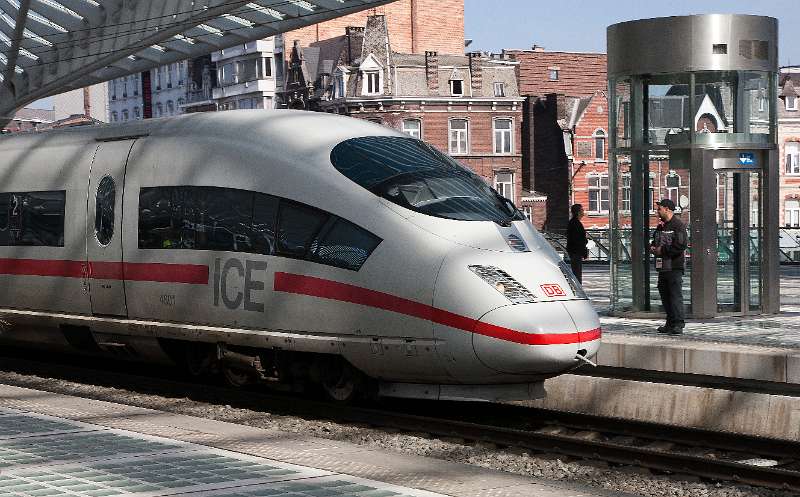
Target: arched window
[114, 117]
[412, 127]
[600, 145]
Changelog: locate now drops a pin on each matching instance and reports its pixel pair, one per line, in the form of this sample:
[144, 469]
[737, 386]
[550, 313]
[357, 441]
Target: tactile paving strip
[43, 456]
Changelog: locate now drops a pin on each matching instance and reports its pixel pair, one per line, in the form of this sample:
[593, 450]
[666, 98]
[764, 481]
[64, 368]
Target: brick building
[465, 105]
[415, 26]
[557, 88]
[27, 119]
[789, 146]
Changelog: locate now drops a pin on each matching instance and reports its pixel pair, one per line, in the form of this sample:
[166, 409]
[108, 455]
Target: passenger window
[32, 218]
[297, 226]
[265, 213]
[345, 245]
[223, 219]
[104, 210]
[157, 227]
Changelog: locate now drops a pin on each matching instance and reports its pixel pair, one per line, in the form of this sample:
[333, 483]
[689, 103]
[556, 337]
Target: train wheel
[342, 382]
[236, 377]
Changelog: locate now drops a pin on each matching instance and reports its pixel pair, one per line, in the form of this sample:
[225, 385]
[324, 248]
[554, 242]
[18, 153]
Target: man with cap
[669, 244]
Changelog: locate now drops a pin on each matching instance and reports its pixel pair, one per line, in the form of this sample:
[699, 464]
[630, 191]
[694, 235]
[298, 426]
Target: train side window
[265, 213]
[104, 210]
[160, 218]
[32, 218]
[298, 224]
[345, 245]
[223, 219]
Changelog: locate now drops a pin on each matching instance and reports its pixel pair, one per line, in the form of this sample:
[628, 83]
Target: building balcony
[259, 85]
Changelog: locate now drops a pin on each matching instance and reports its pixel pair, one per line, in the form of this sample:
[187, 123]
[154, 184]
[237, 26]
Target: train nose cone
[535, 338]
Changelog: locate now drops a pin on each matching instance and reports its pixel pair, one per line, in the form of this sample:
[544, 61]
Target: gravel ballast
[632, 480]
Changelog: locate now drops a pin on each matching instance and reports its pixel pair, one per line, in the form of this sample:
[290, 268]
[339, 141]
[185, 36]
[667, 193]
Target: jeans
[670, 288]
[576, 264]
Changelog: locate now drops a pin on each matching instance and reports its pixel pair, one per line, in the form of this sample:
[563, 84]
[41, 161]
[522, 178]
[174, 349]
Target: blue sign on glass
[747, 159]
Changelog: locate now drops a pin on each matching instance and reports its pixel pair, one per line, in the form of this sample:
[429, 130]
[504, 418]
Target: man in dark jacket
[669, 244]
[577, 242]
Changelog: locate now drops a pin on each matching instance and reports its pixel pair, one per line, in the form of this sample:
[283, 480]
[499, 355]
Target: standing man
[577, 242]
[669, 244]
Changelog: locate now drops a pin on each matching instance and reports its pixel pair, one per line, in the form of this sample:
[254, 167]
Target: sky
[580, 25]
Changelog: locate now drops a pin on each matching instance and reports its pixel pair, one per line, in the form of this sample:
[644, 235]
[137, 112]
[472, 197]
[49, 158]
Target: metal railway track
[508, 426]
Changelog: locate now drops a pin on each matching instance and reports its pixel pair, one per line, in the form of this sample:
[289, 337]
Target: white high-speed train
[286, 246]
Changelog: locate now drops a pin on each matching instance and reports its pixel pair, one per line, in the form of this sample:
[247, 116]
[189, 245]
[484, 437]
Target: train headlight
[574, 284]
[504, 284]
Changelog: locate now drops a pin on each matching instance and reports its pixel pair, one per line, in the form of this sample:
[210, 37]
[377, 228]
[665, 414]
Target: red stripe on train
[318, 287]
[133, 271]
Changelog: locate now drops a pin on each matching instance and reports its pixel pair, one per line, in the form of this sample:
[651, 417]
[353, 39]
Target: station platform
[62, 446]
[735, 374]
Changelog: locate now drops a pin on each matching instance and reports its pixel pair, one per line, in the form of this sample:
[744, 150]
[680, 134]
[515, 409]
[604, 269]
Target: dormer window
[372, 83]
[457, 87]
[791, 102]
[499, 89]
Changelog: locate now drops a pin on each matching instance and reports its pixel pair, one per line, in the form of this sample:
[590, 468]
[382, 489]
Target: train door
[104, 228]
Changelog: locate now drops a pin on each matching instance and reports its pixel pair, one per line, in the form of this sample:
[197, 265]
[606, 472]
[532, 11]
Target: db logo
[553, 290]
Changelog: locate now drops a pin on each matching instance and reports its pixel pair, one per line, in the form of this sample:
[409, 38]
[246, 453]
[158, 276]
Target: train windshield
[415, 175]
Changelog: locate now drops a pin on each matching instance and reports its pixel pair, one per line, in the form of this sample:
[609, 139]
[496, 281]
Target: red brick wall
[480, 158]
[580, 74]
[414, 26]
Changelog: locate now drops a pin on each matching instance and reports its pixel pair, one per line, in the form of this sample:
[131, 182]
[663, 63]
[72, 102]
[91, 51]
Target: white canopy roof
[52, 46]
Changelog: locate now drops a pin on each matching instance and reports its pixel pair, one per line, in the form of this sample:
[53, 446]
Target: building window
[159, 109]
[125, 87]
[626, 193]
[266, 67]
[791, 216]
[158, 77]
[791, 102]
[598, 194]
[552, 74]
[227, 74]
[672, 182]
[181, 102]
[503, 137]
[459, 136]
[136, 113]
[248, 70]
[113, 89]
[114, 117]
[504, 184]
[600, 145]
[412, 128]
[457, 87]
[170, 107]
[372, 83]
[526, 209]
[499, 89]
[792, 158]
[136, 85]
[125, 115]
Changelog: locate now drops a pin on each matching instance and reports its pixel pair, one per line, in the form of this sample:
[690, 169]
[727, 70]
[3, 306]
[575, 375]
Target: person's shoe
[664, 329]
[677, 330]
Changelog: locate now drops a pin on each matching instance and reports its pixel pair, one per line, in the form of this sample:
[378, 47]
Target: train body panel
[236, 230]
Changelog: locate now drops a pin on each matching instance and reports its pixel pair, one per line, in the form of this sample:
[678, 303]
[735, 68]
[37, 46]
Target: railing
[600, 244]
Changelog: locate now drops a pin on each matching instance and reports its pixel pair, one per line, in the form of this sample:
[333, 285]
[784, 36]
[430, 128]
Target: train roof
[284, 130]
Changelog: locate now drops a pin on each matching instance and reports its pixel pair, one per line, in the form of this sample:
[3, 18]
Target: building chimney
[537, 48]
[87, 103]
[432, 71]
[475, 72]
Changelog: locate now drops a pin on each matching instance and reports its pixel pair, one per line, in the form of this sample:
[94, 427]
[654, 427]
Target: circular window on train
[104, 210]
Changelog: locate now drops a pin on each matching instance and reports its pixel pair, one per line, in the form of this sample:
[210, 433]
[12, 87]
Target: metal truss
[52, 46]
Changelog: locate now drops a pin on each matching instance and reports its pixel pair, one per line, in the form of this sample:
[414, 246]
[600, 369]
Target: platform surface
[762, 348]
[62, 446]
